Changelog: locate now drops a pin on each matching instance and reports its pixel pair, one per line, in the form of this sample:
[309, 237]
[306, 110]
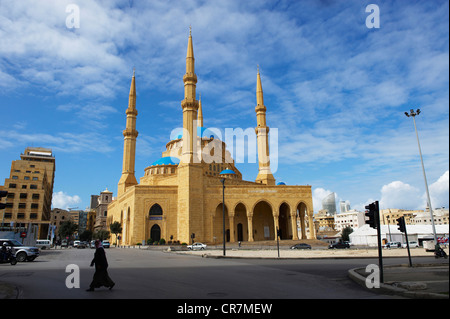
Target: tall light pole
[413, 115]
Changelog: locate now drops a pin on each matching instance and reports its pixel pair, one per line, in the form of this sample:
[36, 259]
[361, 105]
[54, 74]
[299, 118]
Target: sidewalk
[419, 281]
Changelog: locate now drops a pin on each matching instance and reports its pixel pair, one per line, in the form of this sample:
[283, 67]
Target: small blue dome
[202, 132]
[281, 183]
[227, 171]
[168, 160]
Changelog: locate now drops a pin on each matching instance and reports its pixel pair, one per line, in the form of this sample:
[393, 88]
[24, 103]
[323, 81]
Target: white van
[43, 244]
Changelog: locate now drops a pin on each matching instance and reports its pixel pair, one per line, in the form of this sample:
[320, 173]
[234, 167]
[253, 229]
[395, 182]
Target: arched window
[155, 210]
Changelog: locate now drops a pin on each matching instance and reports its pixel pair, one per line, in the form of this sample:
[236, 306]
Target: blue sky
[335, 90]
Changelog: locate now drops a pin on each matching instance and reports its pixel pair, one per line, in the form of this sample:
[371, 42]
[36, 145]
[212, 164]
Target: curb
[208, 255]
[391, 289]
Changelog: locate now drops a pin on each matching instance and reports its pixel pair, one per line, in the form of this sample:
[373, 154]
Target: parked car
[82, 244]
[343, 245]
[106, 244]
[64, 243]
[23, 253]
[75, 243]
[301, 246]
[412, 244]
[197, 246]
[393, 244]
[43, 244]
[92, 245]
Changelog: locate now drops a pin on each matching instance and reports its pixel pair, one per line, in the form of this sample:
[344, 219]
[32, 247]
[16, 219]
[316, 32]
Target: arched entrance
[241, 222]
[263, 227]
[155, 215]
[240, 232]
[155, 233]
[284, 222]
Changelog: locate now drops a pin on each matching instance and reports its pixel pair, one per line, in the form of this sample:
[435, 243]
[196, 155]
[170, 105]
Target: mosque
[195, 187]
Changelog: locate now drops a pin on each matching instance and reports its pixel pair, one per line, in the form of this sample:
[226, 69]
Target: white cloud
[64, 201]
[400, 195]
[439, 191]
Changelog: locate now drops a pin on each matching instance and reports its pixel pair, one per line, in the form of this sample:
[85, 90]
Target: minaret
[190, 217]
[129, 144]
[189, 105]
[262, 133]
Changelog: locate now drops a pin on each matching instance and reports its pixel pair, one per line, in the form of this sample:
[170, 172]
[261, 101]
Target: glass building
[329, 204]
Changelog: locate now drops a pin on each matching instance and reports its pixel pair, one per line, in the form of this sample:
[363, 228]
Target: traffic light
[2, 194]
[401, 224]
[371, 212]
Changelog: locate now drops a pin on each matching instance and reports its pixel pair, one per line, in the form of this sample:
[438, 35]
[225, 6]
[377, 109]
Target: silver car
[197, 246]
[23, 253]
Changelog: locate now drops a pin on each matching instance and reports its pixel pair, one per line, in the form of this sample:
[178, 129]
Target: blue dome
[281, 183]
[168, 160]
[202, 132]
[227, 171]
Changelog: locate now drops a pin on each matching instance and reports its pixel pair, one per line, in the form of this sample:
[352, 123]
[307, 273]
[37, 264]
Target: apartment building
[30, 189]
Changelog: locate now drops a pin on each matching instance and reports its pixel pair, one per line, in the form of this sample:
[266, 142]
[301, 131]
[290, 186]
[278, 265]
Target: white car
[412, 244]
[197, 246]
[393, 244]
[23, 253]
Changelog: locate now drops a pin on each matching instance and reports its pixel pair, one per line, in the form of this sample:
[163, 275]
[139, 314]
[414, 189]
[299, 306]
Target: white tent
[367, 236]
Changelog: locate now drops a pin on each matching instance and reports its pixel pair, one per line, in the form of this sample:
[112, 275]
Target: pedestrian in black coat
[101, 277]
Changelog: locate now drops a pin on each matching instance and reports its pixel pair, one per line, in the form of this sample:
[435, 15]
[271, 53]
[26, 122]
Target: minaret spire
[129, 144]
[190, 104]
[262, 133]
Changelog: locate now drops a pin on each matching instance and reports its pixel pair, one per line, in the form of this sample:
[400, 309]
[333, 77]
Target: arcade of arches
[260, 223]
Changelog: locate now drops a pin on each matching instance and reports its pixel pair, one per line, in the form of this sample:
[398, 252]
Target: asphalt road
[146, 274]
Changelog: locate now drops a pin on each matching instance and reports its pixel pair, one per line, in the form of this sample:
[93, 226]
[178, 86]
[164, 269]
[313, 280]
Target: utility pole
[413, 115]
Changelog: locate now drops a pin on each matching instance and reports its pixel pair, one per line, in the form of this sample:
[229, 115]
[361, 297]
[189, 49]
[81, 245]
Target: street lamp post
[223, 174]
[223, 214]
[413, 115]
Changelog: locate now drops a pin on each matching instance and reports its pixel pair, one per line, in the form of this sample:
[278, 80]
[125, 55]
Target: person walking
[101, 277]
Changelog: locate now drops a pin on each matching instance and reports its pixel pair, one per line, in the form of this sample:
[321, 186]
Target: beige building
[389, 216]
[440, 216]
[30, 190]
[101, 210]
[181, 193]
[57, 217]
[324, 221]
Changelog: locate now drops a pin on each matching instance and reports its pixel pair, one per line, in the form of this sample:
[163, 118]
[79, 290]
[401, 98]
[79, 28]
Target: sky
[336, 86]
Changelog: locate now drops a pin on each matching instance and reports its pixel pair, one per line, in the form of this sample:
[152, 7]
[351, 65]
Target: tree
[86, 235]
[116, 228]
[346, 233]
[67, 229]
[102, 234]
